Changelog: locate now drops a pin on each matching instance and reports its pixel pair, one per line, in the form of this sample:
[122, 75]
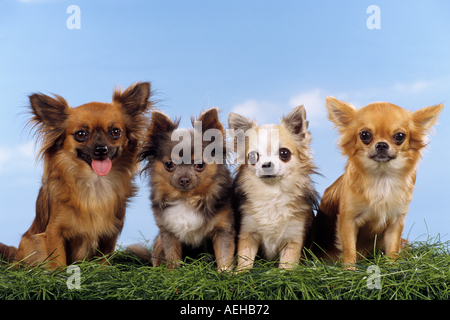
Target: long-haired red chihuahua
[89, 155]
[369, 202]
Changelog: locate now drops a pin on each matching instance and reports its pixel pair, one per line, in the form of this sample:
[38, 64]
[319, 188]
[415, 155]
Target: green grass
[423, 272]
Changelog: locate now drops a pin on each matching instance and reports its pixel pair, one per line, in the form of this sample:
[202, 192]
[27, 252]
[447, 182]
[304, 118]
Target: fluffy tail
[140, 251]
[7, 253]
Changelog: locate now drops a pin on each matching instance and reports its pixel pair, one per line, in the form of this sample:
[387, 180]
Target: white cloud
[399, 92]
[411, 88]
[13, 159]
[247, 109]
[314, 103]
[271, 112]
[261, 111]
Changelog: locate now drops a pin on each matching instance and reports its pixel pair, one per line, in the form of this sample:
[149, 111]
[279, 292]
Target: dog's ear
[339, 112]
[51, 112]
[295, 121]
[161, 124]
[50, 120]
[236, 122]
[156, 136]
[428, 116]
[210, 120]
[423, 121]
[134, 99]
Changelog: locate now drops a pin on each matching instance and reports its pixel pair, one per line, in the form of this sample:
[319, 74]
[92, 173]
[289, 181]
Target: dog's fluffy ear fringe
[236, 122]
[49, 116]
[159, 127]
[339, 112]
[135, 98]
[295, 121]
[210, 120]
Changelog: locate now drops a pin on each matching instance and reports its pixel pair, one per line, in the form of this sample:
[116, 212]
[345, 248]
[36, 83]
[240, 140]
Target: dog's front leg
[106, 248]
[290, 255]
[247, 249]
[54, 246]
[224, 247]
[172, 249]
[393, 238]
[224, 240]
[347, 232]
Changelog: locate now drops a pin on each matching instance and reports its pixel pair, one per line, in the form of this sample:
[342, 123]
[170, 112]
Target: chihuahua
[89, 155]
[274, 195]
[366, 207]
[190, 191]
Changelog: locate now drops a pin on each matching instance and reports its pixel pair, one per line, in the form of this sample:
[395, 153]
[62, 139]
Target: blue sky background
[256, 57]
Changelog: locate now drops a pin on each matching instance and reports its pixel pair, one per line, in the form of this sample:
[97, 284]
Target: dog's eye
[365, 137]
[199, 167]
[81, 135]
[284, 154]
[399, 137]
[115, 133]
[253, 157]
[169, 165]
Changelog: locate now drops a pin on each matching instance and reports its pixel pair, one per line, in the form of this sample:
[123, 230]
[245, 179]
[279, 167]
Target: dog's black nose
[100, 150]
[381, 146]
[267, 165]
[184, 182]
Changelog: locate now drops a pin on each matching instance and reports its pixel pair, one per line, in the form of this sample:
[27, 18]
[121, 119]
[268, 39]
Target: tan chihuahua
[366, 207]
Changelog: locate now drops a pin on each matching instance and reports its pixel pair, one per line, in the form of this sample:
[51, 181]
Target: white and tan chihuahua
[274, 195]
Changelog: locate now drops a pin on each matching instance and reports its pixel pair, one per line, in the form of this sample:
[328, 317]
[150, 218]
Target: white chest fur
[272, 216]
[389, 201]
[184, 222]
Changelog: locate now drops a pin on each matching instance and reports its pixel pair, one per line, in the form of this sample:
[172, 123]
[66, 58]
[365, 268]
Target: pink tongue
[101, 167]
